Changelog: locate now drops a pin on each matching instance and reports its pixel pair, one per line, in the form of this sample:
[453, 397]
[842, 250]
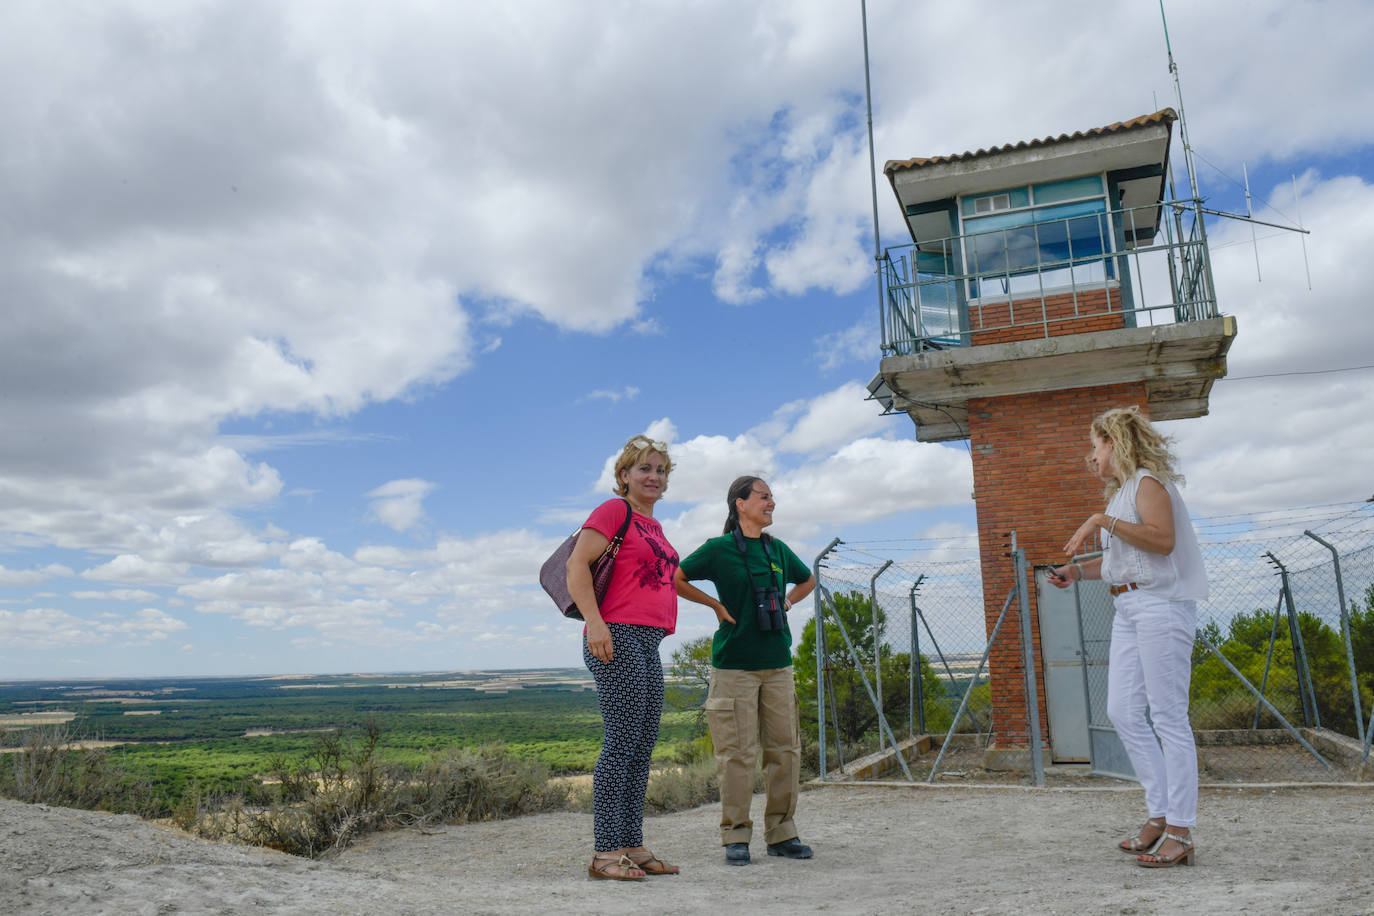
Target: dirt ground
[879, 849]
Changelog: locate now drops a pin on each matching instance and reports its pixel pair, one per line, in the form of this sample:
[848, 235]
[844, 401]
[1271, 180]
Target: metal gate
[1075, 636]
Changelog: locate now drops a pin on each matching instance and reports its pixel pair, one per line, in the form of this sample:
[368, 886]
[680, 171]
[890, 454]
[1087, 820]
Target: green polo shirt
[740, 645]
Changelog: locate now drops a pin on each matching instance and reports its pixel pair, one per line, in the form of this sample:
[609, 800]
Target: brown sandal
[651, 864]
[1135, 845]
[614, 868]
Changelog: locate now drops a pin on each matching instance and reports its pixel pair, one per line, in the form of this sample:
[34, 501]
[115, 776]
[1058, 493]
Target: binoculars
[770, 614]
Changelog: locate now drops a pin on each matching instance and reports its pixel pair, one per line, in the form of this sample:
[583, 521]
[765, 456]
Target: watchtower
[1045, 282]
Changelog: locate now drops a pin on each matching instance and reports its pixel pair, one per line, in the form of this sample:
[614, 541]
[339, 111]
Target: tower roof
[1134, 152]
[1164, 116]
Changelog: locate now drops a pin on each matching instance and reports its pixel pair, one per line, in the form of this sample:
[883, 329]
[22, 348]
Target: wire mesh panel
[896, 601]
[1283, 668]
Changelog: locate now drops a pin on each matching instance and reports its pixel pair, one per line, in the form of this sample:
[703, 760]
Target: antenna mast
[1200, 226]
[873, 181]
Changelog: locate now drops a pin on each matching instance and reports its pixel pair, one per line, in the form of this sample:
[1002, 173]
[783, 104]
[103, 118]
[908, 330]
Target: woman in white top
[1151, 559]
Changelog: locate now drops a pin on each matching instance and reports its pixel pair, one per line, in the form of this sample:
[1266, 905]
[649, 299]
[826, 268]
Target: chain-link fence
[1283, 668]
[911, 600]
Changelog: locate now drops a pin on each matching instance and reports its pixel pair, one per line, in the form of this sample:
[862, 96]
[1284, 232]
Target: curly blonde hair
[1135, 444]
[631, 453]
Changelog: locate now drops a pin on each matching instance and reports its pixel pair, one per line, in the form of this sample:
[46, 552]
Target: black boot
[790, 849]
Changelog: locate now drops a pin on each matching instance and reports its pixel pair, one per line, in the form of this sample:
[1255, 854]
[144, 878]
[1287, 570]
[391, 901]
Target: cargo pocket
[720, 719]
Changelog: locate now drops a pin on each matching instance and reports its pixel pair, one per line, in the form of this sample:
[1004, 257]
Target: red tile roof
[1164, 116]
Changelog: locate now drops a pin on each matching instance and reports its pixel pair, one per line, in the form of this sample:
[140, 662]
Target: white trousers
[1149, 672]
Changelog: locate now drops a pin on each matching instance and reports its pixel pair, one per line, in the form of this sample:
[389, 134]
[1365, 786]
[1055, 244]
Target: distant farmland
[227, 734]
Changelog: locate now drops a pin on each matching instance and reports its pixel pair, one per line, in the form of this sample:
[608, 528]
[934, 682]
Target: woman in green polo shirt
[752, 700]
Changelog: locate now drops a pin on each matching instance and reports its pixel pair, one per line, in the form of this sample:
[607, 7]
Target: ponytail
[740, 489]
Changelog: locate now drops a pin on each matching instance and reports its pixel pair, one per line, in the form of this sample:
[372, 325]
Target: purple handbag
[553, 575]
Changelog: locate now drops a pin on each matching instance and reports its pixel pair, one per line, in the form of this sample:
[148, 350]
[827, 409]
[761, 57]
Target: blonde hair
[634, 451]
[1135, 444]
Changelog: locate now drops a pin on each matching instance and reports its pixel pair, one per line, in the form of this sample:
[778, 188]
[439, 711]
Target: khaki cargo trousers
[746, 709]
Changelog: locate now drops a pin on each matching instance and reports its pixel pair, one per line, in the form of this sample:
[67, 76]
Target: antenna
[1198, 209]
[1200, 225]
[873, 180]
[1254, 243]
[1298, 205]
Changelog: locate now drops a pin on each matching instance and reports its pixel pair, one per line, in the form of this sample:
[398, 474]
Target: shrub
[342, 791]
[682, 787]
[51, 767]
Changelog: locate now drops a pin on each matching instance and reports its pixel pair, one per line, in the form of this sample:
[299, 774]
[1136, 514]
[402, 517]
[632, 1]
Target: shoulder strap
[625, 526]
[764, 540]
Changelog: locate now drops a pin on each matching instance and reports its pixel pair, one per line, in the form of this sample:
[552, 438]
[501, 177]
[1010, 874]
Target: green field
[228, 734]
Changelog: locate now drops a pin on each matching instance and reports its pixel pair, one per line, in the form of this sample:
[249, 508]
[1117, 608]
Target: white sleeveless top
[1178, 576]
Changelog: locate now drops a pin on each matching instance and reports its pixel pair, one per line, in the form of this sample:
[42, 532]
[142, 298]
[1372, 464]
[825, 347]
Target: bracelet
[1111, 529]
[1080, 571]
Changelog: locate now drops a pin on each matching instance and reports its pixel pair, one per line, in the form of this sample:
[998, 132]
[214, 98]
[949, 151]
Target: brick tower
[1045, 282]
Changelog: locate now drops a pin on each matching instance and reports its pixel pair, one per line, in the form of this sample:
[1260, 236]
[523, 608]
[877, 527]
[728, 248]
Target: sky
[321, 322]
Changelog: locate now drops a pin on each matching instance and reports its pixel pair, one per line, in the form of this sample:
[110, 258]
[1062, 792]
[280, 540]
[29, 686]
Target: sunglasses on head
[654, 444]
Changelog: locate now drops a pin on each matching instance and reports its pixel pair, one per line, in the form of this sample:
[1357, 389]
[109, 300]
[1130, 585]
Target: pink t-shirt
[641, 589]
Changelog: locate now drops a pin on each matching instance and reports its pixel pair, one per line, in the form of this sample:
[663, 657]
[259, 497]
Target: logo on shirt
[658, 572]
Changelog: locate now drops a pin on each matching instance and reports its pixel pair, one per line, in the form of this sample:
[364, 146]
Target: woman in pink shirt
[621, 650]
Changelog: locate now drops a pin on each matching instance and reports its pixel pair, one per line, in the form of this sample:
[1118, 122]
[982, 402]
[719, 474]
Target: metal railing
[939, 293]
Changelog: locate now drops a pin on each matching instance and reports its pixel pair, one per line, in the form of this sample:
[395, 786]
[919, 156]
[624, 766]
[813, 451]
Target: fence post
[1345, 633]
[1309, 697]
[1028, 662]
[916, 718]
[968, 693]
[944, 662]
[818, 615]
[1273, 711]
[1268, 659]
[858, 667]
[878, 646]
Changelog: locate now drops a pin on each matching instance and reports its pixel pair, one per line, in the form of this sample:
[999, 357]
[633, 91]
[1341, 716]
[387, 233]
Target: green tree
[1220, 701]
[1361, 621]
[689, 673]
[858, 720]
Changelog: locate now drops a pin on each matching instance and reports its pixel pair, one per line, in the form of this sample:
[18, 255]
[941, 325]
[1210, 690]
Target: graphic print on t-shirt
[658, 572]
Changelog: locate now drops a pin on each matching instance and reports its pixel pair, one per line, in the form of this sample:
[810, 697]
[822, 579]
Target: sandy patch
[879, 849]
[27, 719]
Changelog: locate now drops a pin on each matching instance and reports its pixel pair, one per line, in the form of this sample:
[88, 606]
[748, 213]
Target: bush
[342, 791]
[52, 767]
[339, 791]
[679, 788]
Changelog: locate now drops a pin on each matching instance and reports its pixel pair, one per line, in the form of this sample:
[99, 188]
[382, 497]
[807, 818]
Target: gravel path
[880, 849]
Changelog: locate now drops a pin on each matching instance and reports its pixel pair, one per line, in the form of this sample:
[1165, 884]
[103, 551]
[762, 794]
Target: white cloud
[130, 568]
[871, 479]
[703, 466]
[311, 554]
[330, 208]
[857, 343]
[628, 393]
[49, 628]
[45, 628]
[1273, 439]
[400, 504]
[836, 418]
[16, 577]
[116, 594]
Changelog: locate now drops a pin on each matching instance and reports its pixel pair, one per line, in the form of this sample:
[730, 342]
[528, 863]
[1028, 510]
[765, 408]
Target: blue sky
[321, 321]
